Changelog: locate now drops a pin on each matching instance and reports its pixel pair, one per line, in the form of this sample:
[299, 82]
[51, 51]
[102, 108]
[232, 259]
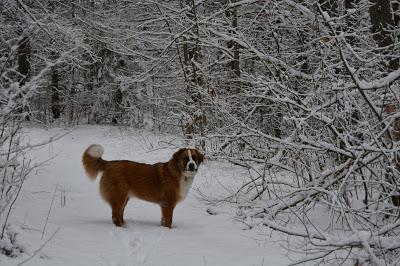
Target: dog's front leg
[167, 210]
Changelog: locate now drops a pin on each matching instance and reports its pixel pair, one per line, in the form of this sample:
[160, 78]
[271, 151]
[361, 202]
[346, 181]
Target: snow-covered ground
[86, 235]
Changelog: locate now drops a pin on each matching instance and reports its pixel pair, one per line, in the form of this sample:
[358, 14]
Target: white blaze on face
[187, 178]
[191, 161]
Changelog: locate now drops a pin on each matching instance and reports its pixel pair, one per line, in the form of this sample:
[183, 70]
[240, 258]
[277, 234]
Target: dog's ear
[178, 154]
[200, 155]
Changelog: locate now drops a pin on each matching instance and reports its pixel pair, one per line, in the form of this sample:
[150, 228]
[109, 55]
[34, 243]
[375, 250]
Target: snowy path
[87, 235]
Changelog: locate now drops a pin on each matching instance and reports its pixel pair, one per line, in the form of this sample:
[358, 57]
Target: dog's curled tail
[92, 161]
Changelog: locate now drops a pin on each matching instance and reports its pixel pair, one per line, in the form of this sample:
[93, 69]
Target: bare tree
[338, 151]
[19, 83]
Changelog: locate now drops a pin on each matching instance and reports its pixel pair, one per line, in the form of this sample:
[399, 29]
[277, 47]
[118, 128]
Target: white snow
[86, 234]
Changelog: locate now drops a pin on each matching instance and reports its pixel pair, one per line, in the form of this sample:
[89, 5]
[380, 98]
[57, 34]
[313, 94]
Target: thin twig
[39, 249]
[48, 214]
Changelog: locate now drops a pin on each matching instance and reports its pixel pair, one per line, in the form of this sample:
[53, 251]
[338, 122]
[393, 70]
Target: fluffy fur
[165, 184]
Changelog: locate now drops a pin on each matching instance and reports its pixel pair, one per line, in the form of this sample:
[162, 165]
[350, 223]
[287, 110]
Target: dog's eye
[194, 158]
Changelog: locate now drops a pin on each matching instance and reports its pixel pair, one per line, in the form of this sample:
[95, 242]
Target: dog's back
[143, 181]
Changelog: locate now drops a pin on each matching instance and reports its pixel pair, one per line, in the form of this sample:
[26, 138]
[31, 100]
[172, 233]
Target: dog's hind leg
[123, 209]
[117, 206]
[115, 192]
[116, 195]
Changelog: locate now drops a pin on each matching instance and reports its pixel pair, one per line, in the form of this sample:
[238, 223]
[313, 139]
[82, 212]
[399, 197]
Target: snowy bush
[9, 244]
[327, 143]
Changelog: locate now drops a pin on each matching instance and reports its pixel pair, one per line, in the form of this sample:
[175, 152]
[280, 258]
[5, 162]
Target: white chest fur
[185, 184]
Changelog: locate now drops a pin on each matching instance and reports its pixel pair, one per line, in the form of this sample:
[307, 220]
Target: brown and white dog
[163, 183]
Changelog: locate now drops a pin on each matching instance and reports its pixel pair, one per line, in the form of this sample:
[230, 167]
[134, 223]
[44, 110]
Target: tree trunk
[24, 66]
[71, 102]
[191, 53]
[55, 90]
[235, 48]
[24, 54]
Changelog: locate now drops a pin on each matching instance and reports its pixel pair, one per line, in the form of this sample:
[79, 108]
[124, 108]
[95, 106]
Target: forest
[304, 95]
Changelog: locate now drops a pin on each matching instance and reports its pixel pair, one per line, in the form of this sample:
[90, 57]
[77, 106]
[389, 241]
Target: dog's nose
[191, 167]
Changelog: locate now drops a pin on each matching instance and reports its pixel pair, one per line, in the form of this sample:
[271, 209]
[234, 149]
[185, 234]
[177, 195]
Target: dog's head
[188, 160]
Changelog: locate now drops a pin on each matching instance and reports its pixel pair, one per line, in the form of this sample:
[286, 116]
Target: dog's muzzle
[191, 167]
